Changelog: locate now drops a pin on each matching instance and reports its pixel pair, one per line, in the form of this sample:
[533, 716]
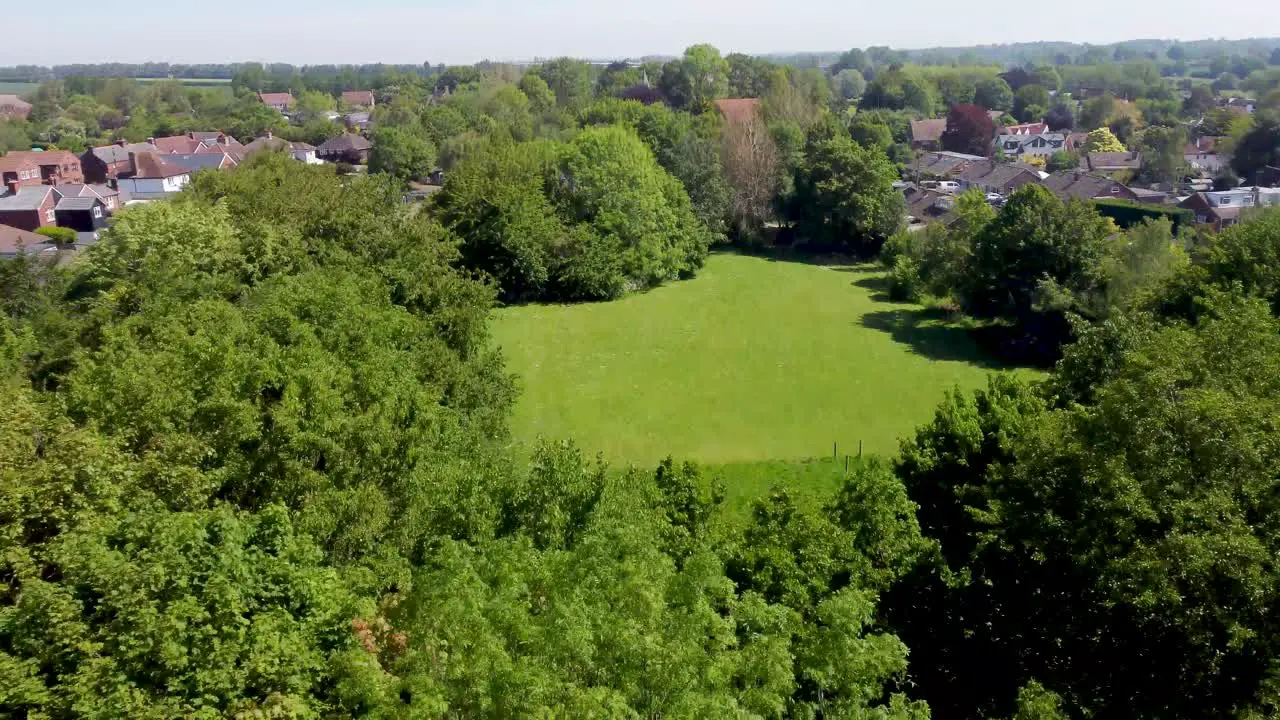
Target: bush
[59, 235]
[1127, 213]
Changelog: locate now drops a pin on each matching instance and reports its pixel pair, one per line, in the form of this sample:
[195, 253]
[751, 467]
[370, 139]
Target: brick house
[12, 106]
[1001, 178]
[358, 99]
[282, 102]
[110, 197]
[154, 177]
[17, 172]
[346, 148]
[30, 208]
[56, 166]
[107, 163]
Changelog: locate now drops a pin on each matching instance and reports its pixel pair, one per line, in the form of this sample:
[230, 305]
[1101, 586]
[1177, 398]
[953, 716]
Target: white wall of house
[308, 157]
[155, 186]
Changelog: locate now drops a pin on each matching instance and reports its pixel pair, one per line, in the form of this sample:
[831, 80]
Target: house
[203, 161]
[1115, 162]
[346, 148]
[300, 151]
[358, 99]
[999, 178]
[927, 134]
[1202, 155]
[357, 121]
[1223, 208]
[1081, 185]
[925, 207]
[109, 196]
[17, 172]
[1023, 145]
[943, 164]
[56, 166]
[16, 241]
[12, 106]
[1036, 128]
[30, 208]
[282, 102]
[83, 214]
[107, 163]
[154, 177]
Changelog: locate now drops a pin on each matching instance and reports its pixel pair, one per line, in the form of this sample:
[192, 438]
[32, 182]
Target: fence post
[859, 449]
[834, 455]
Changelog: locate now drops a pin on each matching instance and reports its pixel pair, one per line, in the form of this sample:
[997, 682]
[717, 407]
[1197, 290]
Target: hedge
[59, 235]
[1127, 213]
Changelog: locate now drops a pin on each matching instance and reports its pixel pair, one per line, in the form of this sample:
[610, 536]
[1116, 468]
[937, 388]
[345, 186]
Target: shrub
[59, 235]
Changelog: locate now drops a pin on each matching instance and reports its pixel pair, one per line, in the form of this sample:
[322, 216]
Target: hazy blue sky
[465, 31]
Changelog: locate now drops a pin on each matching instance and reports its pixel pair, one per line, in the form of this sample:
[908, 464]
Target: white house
[1244, 197]
[154, 177]
[300, 151]
[1024, 146]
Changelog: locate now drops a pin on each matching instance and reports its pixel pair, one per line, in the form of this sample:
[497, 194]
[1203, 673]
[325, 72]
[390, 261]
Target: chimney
[122, 142]
[269, 136]
[151, 141]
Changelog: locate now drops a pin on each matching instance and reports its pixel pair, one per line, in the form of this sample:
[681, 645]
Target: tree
[569, 80]
[1060, 117]
[752, 169]
[1030, 103]
[969, 130]
[1102, 140]
[900, 89]
[1200, 101]
[1062, 161]
[749, 76]
[854, 59]
[697, 79]
[994, 94]
[1258, 148]
[844, 195]
[868, 130]
[848, 84]
[1163, 154]
[534, 87]
[401, 153]
[1097, 112]
[1224, 82]
[1038, 260]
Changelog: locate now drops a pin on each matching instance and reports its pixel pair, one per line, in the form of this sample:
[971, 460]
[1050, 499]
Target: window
[48, 215]
[1224, 201]
[97, 211]
[1115, 190]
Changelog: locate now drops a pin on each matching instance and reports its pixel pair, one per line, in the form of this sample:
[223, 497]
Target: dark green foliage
[1126, 213]
[579, 221]
[1034, 263]
[404, 154]
[844, 197]
[1259, 148]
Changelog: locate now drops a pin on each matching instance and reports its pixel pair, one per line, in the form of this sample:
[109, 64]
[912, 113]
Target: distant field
[754, 360]
[17, 88]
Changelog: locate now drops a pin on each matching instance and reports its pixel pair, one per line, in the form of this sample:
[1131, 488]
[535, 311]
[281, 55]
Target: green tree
[401, 153]
[696, 80]
[569, 80]
[1030, 103]
[1102, 140]
[848, 84]
[1036, 262]
[844, 195]
[994, 94]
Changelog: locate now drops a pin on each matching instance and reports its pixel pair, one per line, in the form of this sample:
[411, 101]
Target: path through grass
[753, 360]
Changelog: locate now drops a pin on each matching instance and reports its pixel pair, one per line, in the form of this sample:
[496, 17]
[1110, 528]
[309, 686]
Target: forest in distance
[257, 448]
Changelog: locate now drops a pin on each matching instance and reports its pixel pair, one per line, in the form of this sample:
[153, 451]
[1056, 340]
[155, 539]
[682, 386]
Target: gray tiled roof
[77, 203]
[210, 161]
[120, 153]
[27, 198]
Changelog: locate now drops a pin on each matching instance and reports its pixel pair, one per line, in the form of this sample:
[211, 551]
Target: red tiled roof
[13, 162]
[276, 98]
[738, 110]
[176, 145]
[1037, 128]
[153, 166]
[48, 157]
[358, 97]
[929, 130]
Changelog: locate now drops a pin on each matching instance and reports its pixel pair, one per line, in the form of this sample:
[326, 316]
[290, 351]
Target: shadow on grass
[929, 334]
[878, 285]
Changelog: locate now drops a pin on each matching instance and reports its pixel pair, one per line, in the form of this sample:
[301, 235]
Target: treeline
[209, 71]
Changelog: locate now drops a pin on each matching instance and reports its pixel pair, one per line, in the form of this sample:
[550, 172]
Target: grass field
[17, 88]
[754, 360]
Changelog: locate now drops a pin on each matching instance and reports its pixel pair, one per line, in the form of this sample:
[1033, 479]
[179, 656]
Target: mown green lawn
[753, 360]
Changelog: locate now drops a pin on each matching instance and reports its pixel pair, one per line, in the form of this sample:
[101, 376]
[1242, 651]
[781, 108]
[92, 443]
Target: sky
[467, 31]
